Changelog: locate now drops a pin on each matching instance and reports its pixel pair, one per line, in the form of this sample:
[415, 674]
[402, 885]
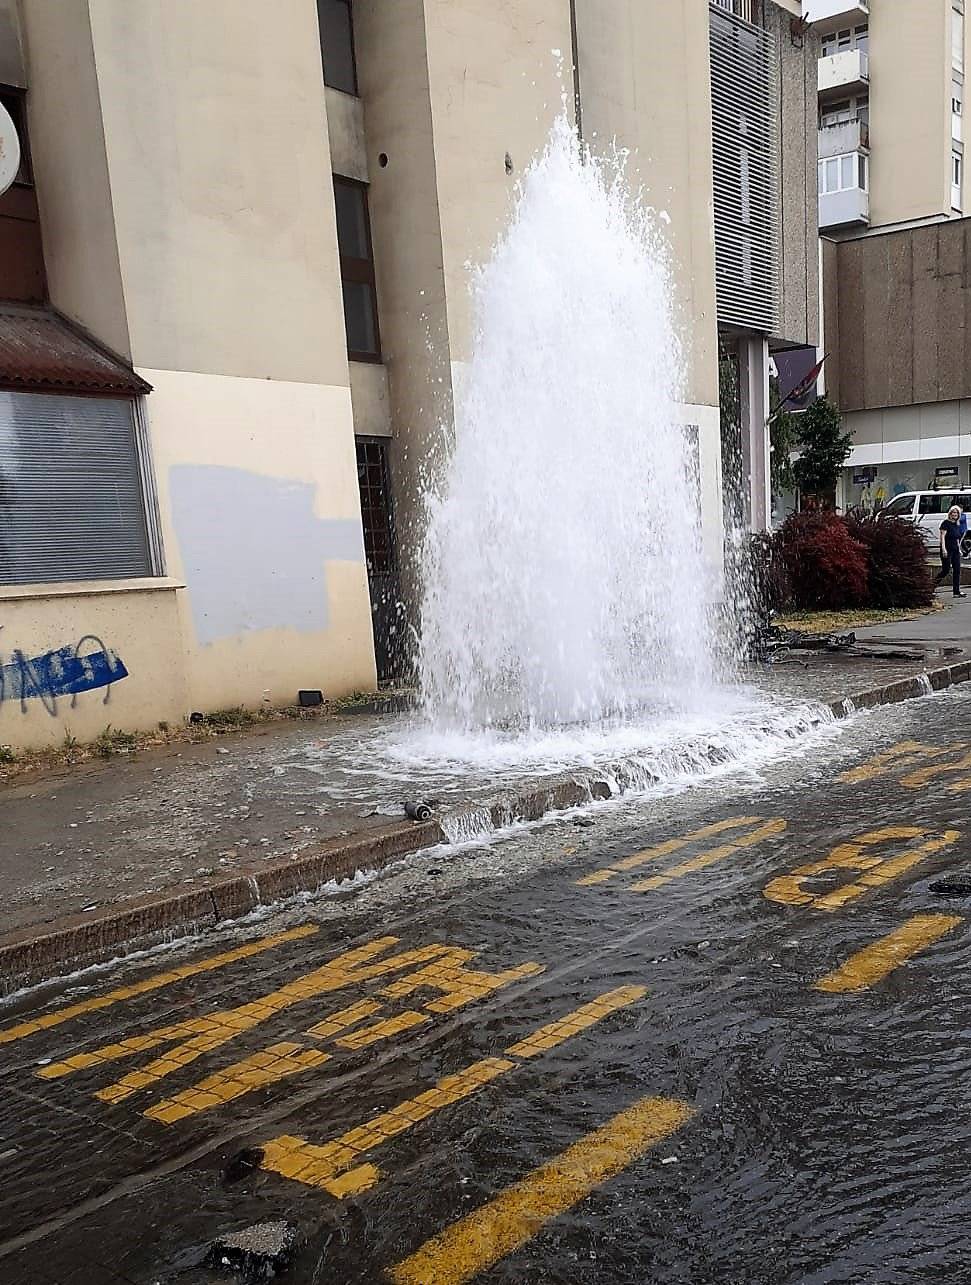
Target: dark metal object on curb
[418, 811]
[310, 698]
[951, 887]
[257, 1253]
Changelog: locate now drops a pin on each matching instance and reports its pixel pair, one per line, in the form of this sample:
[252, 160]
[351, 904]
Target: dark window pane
[337, 44]
[351, 221]
[359, 318]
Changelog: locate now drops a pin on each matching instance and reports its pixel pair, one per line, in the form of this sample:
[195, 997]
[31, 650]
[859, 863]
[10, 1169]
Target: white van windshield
[902, 504]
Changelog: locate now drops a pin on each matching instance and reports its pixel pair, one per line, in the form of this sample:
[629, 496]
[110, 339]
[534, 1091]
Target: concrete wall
[644, 81]
[185, 183]
[137, 624]
[265, 531]
[392, 65]
[898, 314]
[798, 117]
[216, 133]
[930, 433]
[496, 86]
[71, 170]
[910, 110]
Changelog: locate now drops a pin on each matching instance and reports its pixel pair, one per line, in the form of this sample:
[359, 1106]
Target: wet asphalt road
[587, 1054]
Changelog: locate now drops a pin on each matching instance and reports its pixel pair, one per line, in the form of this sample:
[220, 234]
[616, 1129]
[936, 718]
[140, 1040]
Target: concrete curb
[77, 941]
[923, 684]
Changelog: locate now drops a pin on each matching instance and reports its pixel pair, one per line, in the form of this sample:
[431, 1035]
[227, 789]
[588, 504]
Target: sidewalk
[122, 853]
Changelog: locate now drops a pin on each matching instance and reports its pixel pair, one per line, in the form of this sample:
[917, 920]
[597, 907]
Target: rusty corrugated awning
[42, 352]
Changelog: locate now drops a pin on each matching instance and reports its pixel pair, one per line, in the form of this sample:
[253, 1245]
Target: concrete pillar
[753, 379]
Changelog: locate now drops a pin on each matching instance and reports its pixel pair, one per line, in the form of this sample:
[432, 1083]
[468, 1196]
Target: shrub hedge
[820, 560]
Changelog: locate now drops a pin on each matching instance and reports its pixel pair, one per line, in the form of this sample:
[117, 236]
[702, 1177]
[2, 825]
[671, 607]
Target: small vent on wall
[745, 137]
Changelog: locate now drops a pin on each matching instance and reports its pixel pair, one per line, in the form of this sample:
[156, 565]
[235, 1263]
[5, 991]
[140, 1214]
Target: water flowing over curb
[27, 958]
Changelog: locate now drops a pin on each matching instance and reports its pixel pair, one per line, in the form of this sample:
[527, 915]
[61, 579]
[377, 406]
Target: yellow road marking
[478, 1241]
[905, 754]
[153, 983]
[788, 889]
[713, 855]
[202, 1035]
[335, 1166]
[663, 850]
[923, 776]
[267, 1067]
[457, 984]
[385, 1030]
[547, 1037]
[874, 962]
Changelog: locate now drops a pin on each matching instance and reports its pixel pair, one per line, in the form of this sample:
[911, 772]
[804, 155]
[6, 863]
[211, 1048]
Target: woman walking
[951, 549]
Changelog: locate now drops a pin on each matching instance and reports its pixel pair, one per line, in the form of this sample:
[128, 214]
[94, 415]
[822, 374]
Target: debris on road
[257, 1253]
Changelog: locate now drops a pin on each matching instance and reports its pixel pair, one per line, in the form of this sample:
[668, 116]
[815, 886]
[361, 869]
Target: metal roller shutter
[71, 499]
[745, 137]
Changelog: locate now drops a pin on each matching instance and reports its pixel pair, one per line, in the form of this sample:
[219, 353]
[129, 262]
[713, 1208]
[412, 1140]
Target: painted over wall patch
[254, 553]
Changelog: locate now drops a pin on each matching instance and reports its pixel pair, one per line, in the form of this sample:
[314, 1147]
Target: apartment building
[891, 112]
[235, 312]
[763, 84]
[891, 165]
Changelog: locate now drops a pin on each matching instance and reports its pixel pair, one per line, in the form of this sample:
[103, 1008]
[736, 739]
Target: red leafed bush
[825, 566]
[897, 571]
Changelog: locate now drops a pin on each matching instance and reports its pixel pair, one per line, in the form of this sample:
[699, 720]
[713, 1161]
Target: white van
[927, 510]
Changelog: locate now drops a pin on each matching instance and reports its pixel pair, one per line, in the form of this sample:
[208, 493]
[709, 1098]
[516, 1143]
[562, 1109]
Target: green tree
[824, 449]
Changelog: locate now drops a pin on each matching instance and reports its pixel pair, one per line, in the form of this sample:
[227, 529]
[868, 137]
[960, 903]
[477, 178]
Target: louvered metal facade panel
[745, 136]
[71, 496]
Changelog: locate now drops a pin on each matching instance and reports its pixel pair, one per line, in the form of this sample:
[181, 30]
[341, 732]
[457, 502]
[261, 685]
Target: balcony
[836, 13]
[849, 136]
[847, 209]
[847, 72]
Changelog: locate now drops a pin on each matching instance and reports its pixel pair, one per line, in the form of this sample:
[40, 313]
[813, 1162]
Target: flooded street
[711, 1036]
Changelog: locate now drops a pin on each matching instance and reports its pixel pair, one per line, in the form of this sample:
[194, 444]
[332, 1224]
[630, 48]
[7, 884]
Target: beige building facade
[252, 227]
[891, 112]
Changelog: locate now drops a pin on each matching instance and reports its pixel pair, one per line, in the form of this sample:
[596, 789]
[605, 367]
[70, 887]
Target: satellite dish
[9, 150]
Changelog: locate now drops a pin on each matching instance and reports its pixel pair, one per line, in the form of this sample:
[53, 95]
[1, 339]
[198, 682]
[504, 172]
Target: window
[740, 8]
[902, 506]
[837, 113]
[844, 110]
[378, 521]
[841, 173]
[372, 477]
[957, 39]
[72, 503]
[337, 44]
[957, 176]
[935, 502]
[357, 270]
[838, 42]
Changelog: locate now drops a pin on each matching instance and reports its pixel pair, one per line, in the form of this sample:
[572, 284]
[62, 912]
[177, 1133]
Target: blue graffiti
[64, 672]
